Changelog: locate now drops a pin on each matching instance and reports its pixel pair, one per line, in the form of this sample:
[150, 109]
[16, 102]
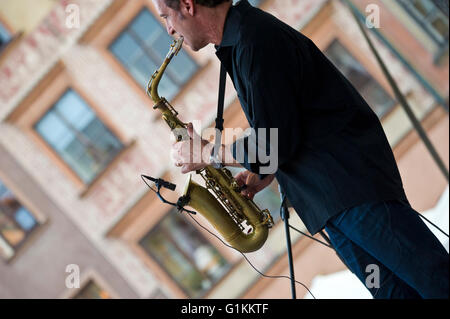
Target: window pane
[432, 16]
[25, 219]
[126, 49]
[440, 24]
[423, 7]
[4, 192]
[86, 167]
[141, 68]
[161, 46]
[147, 28]
[167, 88]
[185, 254]
[371, 91]
[73, 152]
[73, 130]
[182, 68]
[74, 110]
[102, 138]
[54, 131]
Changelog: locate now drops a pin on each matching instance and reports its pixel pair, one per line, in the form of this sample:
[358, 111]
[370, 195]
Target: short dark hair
[175, 4]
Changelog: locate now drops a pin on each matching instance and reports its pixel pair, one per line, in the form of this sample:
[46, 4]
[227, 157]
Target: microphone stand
[285, 217]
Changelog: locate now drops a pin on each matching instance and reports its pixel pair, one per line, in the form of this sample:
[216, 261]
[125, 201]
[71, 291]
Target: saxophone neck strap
[215, 161]
[221, 100]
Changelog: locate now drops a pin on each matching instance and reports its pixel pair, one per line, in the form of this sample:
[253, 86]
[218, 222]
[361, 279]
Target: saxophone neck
[152, 86]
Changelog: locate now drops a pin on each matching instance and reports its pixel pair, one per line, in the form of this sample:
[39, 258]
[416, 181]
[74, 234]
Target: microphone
[160, 182]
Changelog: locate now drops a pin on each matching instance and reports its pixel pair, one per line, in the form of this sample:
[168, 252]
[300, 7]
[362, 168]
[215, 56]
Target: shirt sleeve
[271, 78]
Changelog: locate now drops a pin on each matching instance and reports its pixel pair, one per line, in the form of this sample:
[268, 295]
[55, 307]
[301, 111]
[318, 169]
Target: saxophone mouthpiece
[175, 47]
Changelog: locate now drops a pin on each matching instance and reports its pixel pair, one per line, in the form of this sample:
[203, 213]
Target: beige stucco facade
[108, 218]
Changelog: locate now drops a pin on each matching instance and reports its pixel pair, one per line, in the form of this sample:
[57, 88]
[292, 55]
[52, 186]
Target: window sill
[88, 188]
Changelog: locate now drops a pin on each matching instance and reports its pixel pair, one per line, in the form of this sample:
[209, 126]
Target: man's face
[183, 23]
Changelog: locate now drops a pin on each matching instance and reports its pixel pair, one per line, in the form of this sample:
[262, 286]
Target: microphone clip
[159, 182]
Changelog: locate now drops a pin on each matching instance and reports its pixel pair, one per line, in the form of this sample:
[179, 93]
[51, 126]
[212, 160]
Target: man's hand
[193, 154]
[254, 184]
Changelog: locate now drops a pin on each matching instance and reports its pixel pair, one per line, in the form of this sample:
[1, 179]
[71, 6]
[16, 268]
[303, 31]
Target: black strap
[219, 119]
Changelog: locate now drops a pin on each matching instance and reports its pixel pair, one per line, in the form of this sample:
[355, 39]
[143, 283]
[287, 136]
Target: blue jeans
[391, 250]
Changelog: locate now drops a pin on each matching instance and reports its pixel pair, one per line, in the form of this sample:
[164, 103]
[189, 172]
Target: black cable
[259, 272]
[311, 237]
[180, 208]
[431, 223]
[283, 200]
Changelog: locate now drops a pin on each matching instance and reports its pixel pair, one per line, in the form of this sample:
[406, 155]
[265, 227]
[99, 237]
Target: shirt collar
[232, 23]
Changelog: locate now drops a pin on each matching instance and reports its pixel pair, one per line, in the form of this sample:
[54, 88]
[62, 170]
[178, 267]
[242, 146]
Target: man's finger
[250, 179]
[241, 178]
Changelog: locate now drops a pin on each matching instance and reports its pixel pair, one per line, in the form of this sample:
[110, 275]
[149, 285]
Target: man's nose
[170, 30]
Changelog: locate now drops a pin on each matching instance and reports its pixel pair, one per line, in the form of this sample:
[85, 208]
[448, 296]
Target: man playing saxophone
[334, 161]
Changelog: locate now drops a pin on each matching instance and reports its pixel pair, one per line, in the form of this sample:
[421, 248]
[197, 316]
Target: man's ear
[188, 6]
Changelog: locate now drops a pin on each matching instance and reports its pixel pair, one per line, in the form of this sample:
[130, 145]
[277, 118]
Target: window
[430, 15]
[189, 259]
[92, 291]
[73, 130]
[142, 47]
[16, 223]
[5, 37]
[372, 92]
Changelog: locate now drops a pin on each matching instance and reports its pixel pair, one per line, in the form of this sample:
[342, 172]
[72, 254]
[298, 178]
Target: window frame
[151, 53]
[54, 154]
[121, 15]
[201, 235]
[40, 101]
[71, 88]
[41, 219]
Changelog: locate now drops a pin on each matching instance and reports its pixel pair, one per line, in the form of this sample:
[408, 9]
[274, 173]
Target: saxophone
[238, 219]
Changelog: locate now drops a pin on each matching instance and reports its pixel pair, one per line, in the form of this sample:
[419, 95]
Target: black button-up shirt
[332, 150]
